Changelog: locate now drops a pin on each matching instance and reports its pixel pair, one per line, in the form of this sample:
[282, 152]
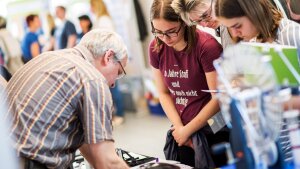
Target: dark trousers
[212, 139]
[187, 155]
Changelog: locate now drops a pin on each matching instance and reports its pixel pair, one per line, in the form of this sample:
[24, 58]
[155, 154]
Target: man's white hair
[98, 41]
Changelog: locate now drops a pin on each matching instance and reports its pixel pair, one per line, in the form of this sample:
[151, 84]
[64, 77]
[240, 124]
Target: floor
[142, 133]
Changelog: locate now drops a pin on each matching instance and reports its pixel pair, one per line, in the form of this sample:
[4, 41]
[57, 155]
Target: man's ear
[108, 56]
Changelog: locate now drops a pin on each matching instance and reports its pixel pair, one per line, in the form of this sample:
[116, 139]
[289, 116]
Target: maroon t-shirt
[184, 74]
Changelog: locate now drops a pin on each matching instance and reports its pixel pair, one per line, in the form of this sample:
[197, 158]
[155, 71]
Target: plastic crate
[155, 108]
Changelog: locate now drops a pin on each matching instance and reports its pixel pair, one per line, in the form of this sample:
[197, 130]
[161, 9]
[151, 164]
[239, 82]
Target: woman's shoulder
[288, 31]
[288, 24]
[205, 38]
[153, 49]
[31, 35]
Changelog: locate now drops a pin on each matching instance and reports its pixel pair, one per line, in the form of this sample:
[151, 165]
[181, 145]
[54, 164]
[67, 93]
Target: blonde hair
[50, 21]
[99, 8]
[184, 7]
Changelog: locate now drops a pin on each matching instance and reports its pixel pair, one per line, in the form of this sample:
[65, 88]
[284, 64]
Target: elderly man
[60, 101]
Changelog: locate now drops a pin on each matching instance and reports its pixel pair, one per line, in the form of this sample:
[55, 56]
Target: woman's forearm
[169, 108]
[209, 110]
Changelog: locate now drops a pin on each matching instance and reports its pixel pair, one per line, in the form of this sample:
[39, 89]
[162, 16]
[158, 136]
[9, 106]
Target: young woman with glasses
[182, 62]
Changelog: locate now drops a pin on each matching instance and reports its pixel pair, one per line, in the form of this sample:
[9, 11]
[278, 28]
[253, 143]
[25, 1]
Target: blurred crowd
[62, 33]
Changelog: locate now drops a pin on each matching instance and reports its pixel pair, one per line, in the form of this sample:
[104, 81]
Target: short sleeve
[153, 55]
[70, 29]
[211, 51]
[97, 112]
[33, 38]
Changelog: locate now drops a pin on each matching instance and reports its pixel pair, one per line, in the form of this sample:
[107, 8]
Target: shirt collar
[85, 53]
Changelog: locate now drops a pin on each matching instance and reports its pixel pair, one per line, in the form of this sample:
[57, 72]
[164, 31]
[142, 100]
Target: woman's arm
[210, 109]
[34, 49]
[165, 99]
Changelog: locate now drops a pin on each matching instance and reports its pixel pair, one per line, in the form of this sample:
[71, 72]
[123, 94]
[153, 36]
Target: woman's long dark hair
[262, 13]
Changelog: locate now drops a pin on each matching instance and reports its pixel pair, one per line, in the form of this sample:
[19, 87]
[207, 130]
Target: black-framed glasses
[123, 73]
[205, 17]
[168, 34]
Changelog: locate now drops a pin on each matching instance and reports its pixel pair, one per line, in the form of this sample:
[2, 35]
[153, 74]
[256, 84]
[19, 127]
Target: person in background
[49, 46]
[102, 17]
[182, 63]
[30, 43]
[10, 49]
[65, 32]
[8, 157]
[294, 9]
[85, 25]
[104, 21]
[5, 73]
[3, 82]
[60, 102]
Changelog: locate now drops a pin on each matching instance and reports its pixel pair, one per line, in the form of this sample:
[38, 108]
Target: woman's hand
[180, 135]
[189, 143]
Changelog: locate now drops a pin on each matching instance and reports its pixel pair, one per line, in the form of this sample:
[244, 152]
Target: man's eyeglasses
[122, 73]
[205, 17]
[170, 34]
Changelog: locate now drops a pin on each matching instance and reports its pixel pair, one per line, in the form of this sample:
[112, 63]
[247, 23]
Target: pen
[214, 91]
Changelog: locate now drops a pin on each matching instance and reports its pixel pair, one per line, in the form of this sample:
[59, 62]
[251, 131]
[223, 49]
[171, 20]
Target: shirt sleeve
[70, 29]
[211, 50]
[153, 55]
[290, 34]
[33, 38]
[97, 111]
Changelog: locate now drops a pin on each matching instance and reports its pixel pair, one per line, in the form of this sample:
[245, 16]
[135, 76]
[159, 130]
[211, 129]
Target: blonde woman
[102, 17]
[104, 21]
[49, 46]
[201, 12]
